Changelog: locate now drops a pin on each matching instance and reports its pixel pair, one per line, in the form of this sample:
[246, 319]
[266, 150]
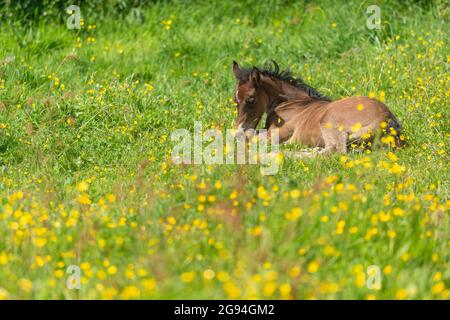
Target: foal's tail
[395, 130]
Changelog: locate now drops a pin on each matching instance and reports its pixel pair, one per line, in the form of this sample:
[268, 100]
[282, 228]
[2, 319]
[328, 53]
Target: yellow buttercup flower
[313, 266]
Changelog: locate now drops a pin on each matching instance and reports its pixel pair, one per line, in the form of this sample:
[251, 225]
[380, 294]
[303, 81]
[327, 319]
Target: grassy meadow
[86, 176]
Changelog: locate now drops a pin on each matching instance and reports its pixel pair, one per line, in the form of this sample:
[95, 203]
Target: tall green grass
[86, 177]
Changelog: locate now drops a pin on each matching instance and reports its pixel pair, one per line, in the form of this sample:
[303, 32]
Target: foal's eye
[250, 100]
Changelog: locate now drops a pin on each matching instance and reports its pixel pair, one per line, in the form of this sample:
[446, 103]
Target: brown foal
[300, 114]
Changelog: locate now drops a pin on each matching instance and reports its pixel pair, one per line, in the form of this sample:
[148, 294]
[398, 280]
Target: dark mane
[274, 72]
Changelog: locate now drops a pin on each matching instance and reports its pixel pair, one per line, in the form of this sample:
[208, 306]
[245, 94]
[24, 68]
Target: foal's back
[332, 124]
[350, 112]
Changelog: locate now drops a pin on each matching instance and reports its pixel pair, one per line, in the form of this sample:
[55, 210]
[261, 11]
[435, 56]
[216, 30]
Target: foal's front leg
[334, 140]
[298, 154]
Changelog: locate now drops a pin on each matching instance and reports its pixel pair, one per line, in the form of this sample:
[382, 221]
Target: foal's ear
[255, 76]
[236, 70]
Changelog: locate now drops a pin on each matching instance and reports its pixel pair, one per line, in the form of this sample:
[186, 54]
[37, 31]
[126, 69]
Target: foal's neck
[274, 92]
[279, 91]
[293, 93]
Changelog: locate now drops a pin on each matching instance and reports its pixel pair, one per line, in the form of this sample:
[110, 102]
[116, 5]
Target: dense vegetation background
[86, 177]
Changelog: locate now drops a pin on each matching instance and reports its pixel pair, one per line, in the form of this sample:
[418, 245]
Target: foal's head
[250, 97]
[261, 91]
